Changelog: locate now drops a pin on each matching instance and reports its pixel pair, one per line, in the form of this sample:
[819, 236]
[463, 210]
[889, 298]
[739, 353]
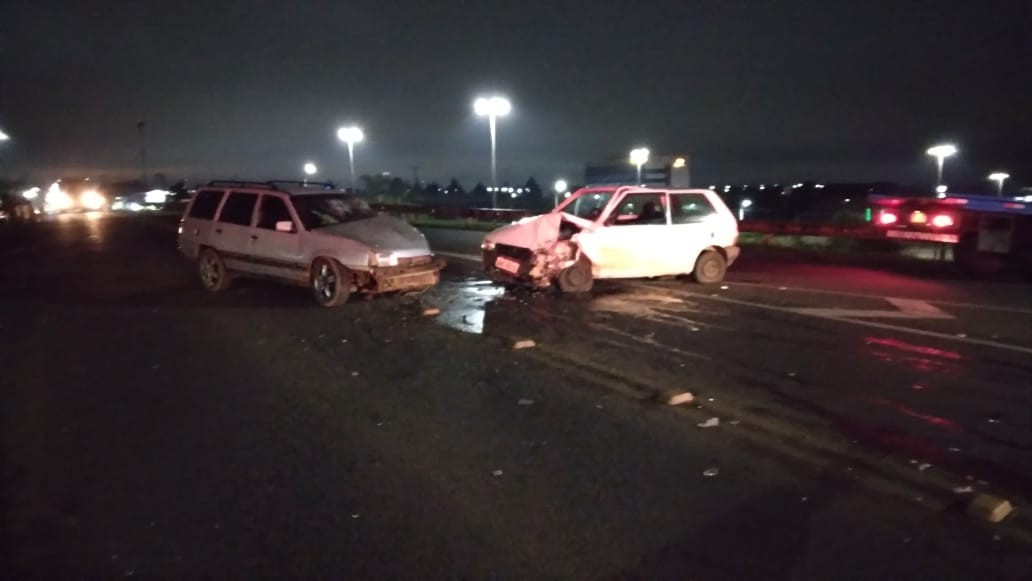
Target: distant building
[670, 171]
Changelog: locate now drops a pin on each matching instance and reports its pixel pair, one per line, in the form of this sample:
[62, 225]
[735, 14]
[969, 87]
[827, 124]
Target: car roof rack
[303, 184]
[241, 184]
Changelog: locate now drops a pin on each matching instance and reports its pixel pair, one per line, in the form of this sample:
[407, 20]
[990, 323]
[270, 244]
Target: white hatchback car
[308, 235]
[617, 232]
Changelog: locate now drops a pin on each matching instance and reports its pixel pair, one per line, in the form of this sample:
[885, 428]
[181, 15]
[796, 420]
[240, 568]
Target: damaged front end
[534, 250]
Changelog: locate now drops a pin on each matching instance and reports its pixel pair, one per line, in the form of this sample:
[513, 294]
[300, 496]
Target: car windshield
[320, 210]
[588, 205]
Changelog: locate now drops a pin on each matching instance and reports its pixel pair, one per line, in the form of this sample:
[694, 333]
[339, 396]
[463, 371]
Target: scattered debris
[734, 422]
[343, 340]
[695, 329]
[676, 397]
[954, 450]
[969, 478]
[710, 423]
[923, 466]
[994, 420]
[804, 499]
[723, 287]
[356, 515]
[524, 344]
[996, 537]
[989, 508]
[431, 312]
[782, 288]
[354, 374]
[525, 401]
[791, 373]
[496, 473]
[598, 405]
[711, 472]
[962, 335]
[963, 490]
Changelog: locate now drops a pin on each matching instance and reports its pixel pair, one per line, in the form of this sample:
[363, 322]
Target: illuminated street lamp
[639, 157]
[351, 136]
[742, 206]
[4, 136]
[940, 153]
[492, 108]
[999, 177]
[559, 188]
[309, 169]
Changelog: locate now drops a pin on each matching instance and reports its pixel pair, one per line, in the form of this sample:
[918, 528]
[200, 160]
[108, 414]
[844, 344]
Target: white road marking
[963, 305]
[907, 309]
[872, 324]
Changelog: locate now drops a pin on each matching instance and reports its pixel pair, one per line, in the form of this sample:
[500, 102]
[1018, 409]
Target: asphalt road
[149, 428]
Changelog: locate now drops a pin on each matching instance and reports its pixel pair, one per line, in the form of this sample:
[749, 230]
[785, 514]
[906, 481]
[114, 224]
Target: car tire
[215, 277]
[576, 278]
[710, 267]
[330, 282]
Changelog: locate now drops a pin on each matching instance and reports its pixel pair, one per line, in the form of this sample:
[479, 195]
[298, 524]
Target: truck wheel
[330, 282]
[212, 270]
[576, 278]
[710, 267]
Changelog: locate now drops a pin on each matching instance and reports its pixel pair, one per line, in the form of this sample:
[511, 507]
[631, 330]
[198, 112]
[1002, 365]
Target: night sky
[754, 90]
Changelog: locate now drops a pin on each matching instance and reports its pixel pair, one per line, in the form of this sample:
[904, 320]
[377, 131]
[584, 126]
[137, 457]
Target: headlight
[92, 200]
[383, 259]
[487, 245]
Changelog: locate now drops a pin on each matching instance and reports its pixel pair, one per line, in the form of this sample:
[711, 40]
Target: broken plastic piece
[525, 401]
[524, 344]
[710, 423]
[989, 508]
[711, 472]
[431, 312]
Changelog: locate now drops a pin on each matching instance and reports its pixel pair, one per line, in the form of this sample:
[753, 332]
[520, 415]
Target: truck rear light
[942, 221]
[886, 218]
[918, 217]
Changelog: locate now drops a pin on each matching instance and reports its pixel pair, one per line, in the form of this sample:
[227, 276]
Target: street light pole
[639, 157]
[140, 126]
[940, 153]
[999, 177]
[351, 136]
[493, 108]
[560, 187]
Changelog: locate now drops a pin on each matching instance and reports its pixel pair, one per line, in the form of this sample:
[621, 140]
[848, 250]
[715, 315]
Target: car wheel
[330, 282]
[576, 278]
[710, 267]
[212, 270]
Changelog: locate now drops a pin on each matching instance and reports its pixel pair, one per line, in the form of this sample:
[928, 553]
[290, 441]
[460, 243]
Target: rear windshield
[321, 210]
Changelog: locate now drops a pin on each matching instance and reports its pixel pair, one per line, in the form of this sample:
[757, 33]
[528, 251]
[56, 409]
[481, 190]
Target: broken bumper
[403, 278]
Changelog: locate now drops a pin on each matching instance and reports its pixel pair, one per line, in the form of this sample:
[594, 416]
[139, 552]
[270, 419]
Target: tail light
[943, 221]
[886, 218]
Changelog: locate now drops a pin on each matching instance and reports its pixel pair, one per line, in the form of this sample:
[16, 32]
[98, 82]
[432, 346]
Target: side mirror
[285, 226]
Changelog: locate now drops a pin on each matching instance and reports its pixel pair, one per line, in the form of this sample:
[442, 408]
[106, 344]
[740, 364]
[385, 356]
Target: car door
[694, 225]
[231, 232]
[634, 239]
[195, 231]
[276, 252]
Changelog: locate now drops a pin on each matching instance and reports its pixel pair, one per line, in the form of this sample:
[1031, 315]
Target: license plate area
[507, 264]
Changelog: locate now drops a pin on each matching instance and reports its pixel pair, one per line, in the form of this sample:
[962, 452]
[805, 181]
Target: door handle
[218, 230]
[253, 237]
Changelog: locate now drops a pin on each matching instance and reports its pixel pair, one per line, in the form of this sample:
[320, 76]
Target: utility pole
[140, 126]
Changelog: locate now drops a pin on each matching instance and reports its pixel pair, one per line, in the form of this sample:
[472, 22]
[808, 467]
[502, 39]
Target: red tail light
[886, 218]
[942, 221]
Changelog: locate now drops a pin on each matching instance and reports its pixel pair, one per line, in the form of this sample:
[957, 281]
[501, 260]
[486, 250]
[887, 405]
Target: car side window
[271, 210]
[690, 208]
[206, 202]
[639, 209]
[238, 209]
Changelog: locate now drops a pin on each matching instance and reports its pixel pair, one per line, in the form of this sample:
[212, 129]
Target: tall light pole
[493, 108]
[940, 153]
[351, 136]
[639, 157]
[999, 177]
[559, 188]
[310, 169]
[140, 127]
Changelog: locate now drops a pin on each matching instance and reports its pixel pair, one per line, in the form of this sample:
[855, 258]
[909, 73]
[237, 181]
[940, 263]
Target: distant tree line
[387, 189]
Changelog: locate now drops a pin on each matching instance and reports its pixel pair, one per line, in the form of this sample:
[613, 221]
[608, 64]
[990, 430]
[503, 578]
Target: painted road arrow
[905, 309]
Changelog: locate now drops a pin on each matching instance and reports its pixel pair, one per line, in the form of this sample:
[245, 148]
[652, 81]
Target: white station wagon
[617, 232]
[307, 235]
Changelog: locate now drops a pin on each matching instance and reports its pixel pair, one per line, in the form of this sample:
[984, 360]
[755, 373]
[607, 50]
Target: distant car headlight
[487, 245]
[92, 200]
[383, 259]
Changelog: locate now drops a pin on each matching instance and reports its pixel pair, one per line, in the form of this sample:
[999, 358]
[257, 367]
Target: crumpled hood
[534, 233]
[381, 233]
